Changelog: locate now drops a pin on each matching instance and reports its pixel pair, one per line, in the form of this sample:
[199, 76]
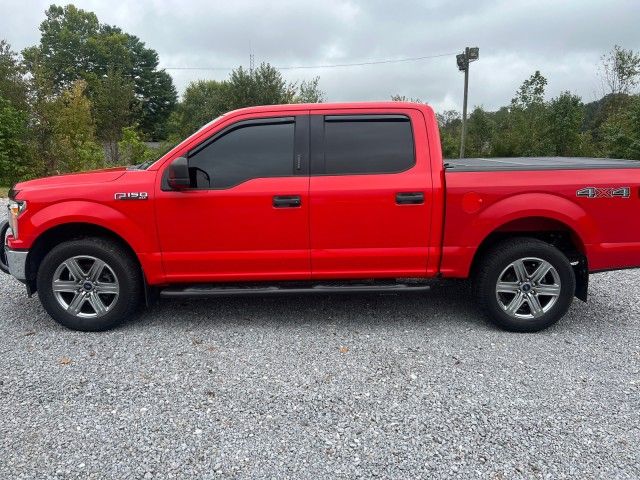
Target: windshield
[148, 163]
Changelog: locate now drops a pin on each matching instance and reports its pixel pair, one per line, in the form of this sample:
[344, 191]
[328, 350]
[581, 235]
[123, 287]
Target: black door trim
[301, 146]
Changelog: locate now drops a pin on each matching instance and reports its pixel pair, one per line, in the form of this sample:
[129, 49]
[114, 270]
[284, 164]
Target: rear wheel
[90, 284]
[524, 284]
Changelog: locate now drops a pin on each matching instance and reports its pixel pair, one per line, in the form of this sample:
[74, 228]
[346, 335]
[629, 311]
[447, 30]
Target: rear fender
[460, 249]
[546, 206]
[529, 205]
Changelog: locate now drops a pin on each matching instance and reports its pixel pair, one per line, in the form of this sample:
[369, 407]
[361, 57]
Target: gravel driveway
[391, 386]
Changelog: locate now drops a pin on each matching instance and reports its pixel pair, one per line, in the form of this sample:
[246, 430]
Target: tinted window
[243, 153]
[377, 144]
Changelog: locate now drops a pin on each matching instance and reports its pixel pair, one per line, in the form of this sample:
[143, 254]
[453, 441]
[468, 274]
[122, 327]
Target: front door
[246, 216]
[370, 195]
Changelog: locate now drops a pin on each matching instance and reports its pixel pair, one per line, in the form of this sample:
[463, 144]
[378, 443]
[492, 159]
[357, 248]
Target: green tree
[133, 149]
[450, 125]
[310, 92]
[74, 145]
[13, 86]
[620, 71]
[114, 108]
[525, 123]
[14, 154]
[621, 132]
[480, 133]
[64, 52]
[63, 130]
[205, 100]
[202, 101]
[261, 86]
[531, 92]
[565, 116]
[74, 45]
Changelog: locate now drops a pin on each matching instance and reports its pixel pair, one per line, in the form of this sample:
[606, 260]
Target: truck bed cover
[536, 163]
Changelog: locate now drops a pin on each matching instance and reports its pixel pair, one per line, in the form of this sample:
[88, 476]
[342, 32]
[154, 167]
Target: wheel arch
[555, 232]
[66, 232]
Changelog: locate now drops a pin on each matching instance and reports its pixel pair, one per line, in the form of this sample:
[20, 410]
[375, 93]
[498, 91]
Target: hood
[84, 178]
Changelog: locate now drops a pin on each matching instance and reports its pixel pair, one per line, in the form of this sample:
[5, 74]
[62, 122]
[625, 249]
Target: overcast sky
[562, 39]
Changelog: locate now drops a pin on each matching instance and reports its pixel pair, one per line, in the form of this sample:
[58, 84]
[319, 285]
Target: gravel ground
[392, 386]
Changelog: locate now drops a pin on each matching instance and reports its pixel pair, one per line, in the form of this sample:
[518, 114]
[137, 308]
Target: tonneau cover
[536, 163]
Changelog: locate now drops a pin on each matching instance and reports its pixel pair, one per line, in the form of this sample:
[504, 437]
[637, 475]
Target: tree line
[90, 95]
[562, 126]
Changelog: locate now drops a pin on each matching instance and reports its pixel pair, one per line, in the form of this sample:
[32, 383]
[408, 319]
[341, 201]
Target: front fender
[93, 213]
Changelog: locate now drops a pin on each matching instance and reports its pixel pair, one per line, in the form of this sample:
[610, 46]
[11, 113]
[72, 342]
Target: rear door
[370, 194]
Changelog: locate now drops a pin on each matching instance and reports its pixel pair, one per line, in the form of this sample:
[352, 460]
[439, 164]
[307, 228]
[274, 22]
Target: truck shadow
[444, 307]
[435, 305]
[450, 306]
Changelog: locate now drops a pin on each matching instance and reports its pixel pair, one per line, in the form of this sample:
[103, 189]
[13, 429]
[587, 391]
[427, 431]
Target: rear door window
[367, 144]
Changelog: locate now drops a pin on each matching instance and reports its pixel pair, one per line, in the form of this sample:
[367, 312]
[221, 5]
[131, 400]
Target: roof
[329, 106]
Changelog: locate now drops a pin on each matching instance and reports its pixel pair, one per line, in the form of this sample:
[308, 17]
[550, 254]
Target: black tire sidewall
[499, 258]
[120, 261]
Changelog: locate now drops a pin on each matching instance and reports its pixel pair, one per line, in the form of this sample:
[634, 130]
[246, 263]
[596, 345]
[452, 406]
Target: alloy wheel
[85, 286]
[528, 288]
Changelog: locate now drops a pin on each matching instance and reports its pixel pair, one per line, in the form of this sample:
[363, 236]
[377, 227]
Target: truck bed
[536, 163]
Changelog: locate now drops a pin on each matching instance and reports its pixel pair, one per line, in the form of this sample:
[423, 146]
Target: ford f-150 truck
[323, 198]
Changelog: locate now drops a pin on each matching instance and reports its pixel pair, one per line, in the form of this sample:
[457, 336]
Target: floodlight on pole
[470, 54]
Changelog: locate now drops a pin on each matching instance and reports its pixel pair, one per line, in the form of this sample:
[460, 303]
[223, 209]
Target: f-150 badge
[131, 196]
[598, 192]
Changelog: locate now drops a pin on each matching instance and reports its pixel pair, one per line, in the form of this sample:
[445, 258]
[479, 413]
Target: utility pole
[251, 59]
[463, 60]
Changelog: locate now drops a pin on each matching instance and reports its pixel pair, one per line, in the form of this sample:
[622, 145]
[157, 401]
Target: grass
[4, 191]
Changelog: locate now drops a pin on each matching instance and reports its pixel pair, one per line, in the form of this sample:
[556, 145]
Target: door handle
[409, 198]
[286, 201]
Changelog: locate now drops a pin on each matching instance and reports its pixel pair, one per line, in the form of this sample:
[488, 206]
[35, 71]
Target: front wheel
[524, 284]
[91, 284]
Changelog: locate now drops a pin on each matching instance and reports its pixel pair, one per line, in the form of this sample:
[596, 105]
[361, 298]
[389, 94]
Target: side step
[212, 290]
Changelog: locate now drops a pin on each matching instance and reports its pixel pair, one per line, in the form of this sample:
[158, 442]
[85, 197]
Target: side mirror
[178, 177]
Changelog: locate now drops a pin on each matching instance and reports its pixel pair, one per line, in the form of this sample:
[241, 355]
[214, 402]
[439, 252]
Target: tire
[98, 285]
[521, 300]
[4, 231]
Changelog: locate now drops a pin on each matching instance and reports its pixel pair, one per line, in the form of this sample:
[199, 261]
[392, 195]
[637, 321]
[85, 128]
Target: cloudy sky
[564, 39]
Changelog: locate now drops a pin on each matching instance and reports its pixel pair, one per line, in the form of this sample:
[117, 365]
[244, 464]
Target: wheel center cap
[88, 286]
[525, 287]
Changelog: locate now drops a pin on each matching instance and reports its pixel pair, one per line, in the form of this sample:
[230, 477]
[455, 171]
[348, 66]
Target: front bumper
[13, 262]
[17, 263]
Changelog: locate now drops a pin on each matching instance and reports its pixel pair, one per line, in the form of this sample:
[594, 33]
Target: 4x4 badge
[598, 192]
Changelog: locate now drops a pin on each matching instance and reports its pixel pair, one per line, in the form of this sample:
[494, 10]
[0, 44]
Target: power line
[335, 65]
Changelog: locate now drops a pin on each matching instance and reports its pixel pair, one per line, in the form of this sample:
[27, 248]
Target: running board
[221, 290]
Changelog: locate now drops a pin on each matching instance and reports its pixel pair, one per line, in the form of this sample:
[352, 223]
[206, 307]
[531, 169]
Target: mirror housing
[178, 176]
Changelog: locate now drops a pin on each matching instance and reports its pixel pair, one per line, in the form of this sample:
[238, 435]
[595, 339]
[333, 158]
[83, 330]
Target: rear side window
[243, 153]
[367, 144]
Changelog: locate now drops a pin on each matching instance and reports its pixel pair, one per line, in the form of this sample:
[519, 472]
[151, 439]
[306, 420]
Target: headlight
[16, 207]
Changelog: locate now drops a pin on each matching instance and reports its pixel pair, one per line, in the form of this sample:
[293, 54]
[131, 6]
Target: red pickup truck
[322, 198]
